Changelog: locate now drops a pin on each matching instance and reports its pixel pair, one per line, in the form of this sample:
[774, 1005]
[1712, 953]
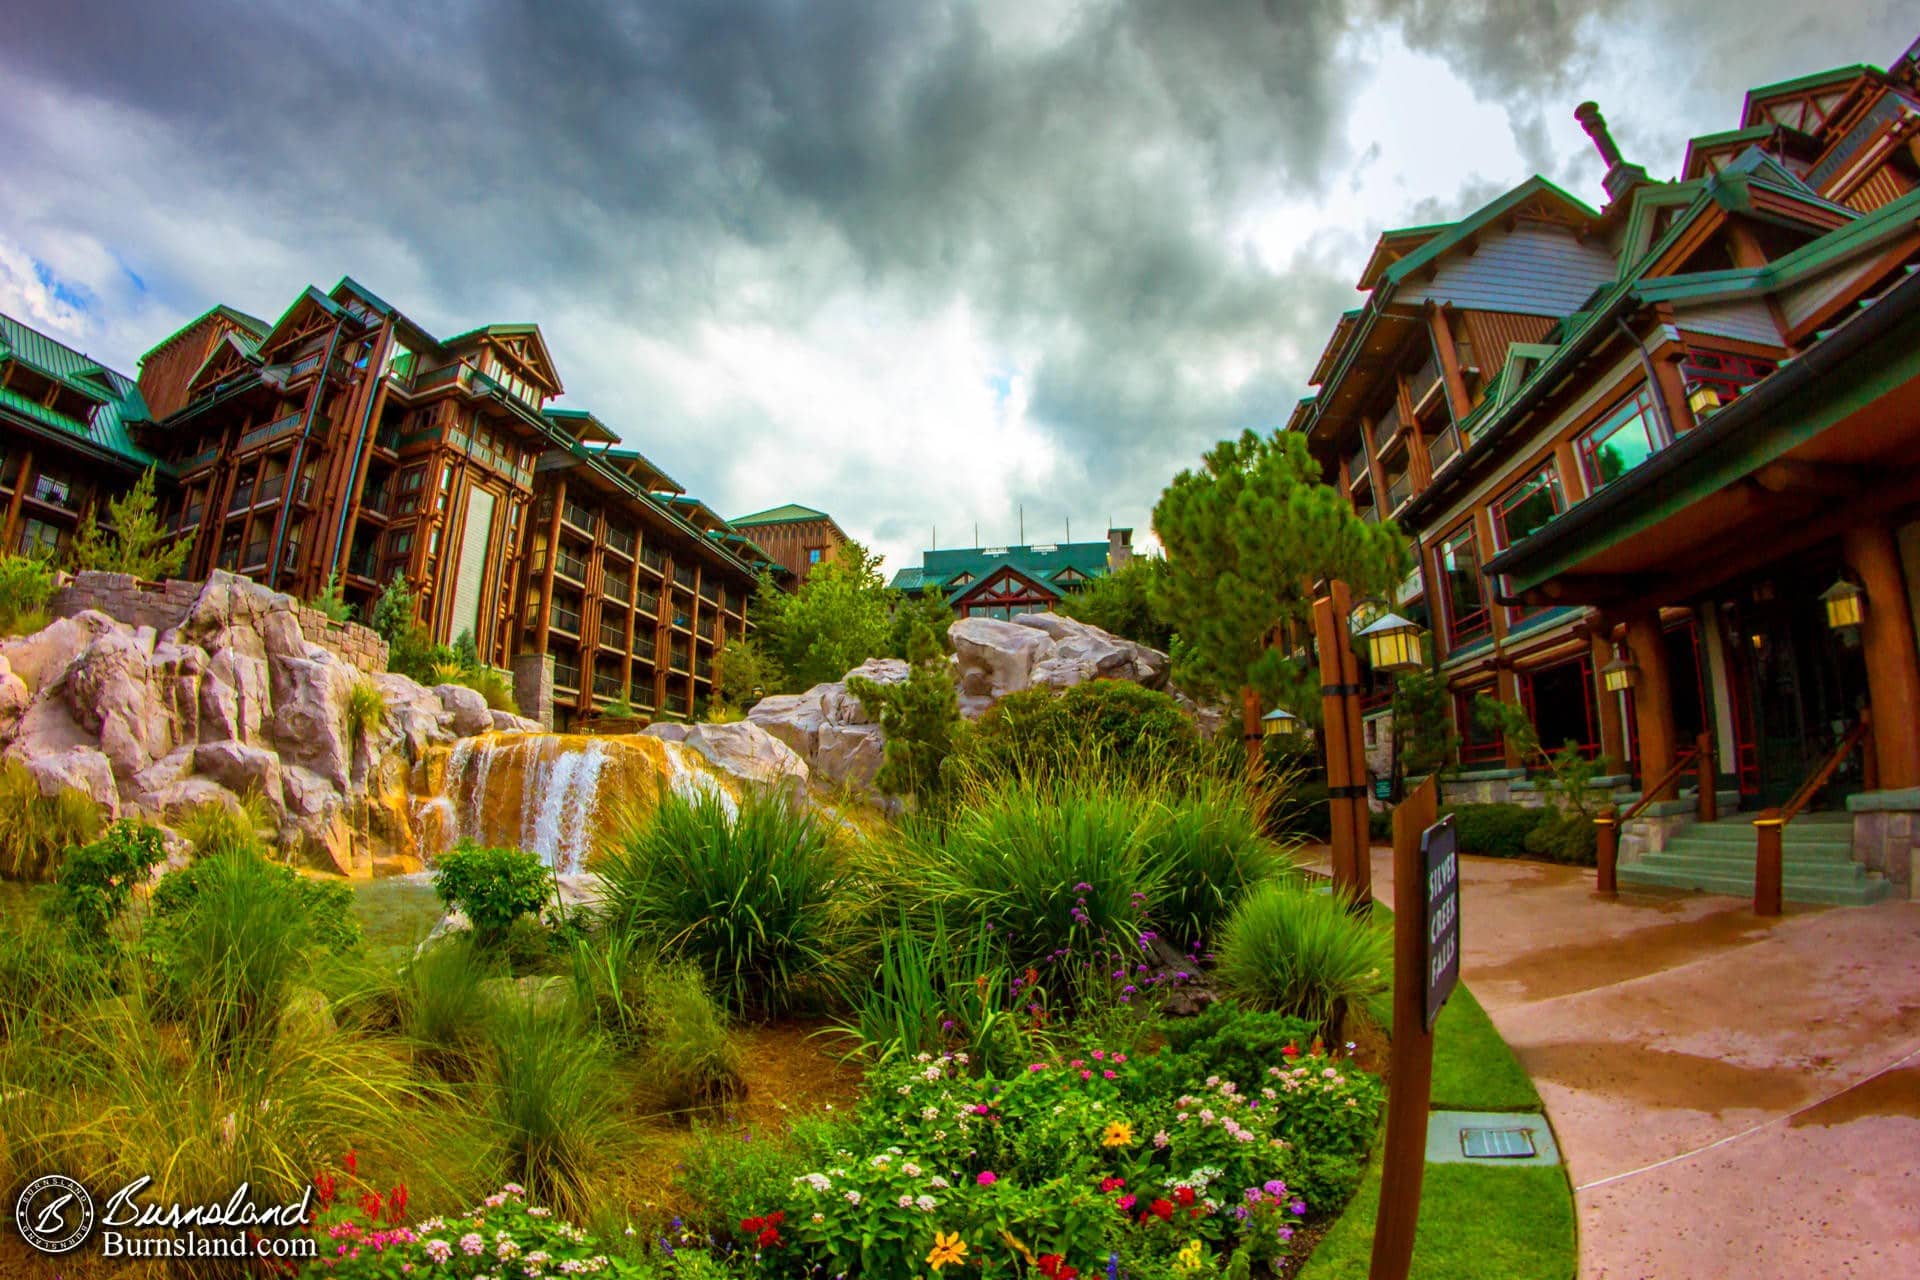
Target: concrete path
[1735, 1097]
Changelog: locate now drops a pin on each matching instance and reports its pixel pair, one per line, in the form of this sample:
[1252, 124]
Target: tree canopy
[1248, 537]
[135, 543]
[841, 616]
[1122, 603]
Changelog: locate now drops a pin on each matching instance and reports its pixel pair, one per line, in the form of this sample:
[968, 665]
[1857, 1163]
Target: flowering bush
[503, 1237]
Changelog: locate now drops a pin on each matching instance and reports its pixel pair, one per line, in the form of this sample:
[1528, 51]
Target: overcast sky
[916, 264]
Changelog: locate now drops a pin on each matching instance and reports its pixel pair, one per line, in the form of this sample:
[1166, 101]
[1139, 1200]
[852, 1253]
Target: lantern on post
[1393, 644]
[1621, 674]
[1704, 400]
[1846, 606]
[1279, 724]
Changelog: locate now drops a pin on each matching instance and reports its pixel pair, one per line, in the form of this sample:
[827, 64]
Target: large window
[1622, 440]
[1527, 506]
[1461, 588]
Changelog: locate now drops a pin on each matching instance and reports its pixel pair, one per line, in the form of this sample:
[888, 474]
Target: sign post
[1426, 965]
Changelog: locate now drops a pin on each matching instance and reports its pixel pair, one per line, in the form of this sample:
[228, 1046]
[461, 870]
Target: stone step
[1711, 864]
[1732, 849]
[1864, 891]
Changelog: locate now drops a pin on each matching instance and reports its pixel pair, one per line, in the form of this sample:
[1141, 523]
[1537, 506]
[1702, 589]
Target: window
[813, 555]
[1527, 506]
[37, 537]
[1480, 744]
[52, 488]
[1729, 375]
[1621, 441]
[1461, 587]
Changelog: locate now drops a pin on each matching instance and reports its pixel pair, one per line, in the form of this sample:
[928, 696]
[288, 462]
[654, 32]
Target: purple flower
[987, 1178]
[1083, 887]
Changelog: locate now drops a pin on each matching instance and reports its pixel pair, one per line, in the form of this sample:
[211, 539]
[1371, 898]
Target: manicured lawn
[1473, 1070]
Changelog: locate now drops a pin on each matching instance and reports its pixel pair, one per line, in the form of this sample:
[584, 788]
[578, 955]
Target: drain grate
[1497, 1144]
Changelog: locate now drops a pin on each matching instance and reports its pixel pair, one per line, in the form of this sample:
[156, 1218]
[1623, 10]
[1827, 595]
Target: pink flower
[987, 1178]
[1111, 1075]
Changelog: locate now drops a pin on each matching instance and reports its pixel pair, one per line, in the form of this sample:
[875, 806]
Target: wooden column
[1449, 363]
[10, 542]
[1893, 668]
[1345, 752]
[1356, 755]
[1653, 701]
[1613, 742]
[559, 497]
[1250, 729]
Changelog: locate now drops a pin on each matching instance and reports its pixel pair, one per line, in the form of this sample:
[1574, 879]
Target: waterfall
[557, 795]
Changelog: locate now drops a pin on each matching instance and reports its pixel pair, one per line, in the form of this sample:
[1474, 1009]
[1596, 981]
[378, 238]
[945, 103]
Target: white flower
[931, 1113]
[937, 1182]
[924, 1204]
[906, 1201]
[911, 1169]
[818, 1181]
[853, 1197]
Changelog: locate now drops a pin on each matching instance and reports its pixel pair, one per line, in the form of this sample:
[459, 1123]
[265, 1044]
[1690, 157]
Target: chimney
[1621, 177]
[1119, 549]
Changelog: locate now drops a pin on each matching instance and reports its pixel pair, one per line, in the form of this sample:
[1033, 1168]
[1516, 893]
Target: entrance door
[1807, 685]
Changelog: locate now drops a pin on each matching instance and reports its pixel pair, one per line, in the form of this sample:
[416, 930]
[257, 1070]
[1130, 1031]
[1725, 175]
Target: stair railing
[1607, 824]
[1769, 870]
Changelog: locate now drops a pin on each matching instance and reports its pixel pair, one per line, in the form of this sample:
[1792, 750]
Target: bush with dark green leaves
[1127, 728]
[1563, 837]
[98, 879]
[493, 887]
[1494, 830]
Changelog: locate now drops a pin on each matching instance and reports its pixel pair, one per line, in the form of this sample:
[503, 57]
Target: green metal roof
[254, 325]
[1042, 562]
[1479, 218]
[118, 398]
[1801, 83]
[787, 514]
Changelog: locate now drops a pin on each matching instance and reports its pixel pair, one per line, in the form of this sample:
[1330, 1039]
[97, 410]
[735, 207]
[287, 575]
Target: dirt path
[1735, 1097]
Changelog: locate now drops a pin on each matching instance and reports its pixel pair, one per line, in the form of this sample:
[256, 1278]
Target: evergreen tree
[910, 613]
[330, 602]
[1122, 603]
[920, 717]
[839, 618]
[1249, 539]
[1424, 739]
[136, 544]
[747, 674]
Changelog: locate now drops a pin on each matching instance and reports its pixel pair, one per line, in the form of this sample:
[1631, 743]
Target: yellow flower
[1118, 1134]
[948, 1247]
[1187, 1261]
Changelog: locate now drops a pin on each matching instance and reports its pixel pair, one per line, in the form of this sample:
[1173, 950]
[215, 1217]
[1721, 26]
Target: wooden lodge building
[344, 442]
[1677, 436]
[1006, 582]
[798, 537]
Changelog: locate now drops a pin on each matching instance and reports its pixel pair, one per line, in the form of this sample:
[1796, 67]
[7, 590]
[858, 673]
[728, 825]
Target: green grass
[1475, 1224]
[395, 913]
[1473, 1070]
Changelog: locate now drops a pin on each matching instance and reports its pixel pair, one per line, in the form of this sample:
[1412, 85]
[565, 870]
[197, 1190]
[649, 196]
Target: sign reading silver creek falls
[1439, 855]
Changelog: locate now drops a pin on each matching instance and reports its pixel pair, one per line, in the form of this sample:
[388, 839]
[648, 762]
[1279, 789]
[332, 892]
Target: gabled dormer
[513, 355]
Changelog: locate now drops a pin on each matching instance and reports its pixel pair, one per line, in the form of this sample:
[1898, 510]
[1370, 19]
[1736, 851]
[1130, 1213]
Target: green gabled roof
[118, 398]
[1043, 562]
[254, 326]
[787, 514]
[620, 453]
[1475, 221]
[1800, 84]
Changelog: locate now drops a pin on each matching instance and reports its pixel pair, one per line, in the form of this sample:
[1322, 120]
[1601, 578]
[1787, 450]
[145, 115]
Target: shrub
[138, 543]
[330, 603]
[441, 995]
[366, 710]
[1294, 951]
[98, 879]
[38, 830]
[1231, 1041]
[1563, 837]
[26, 586]
[493, 887]
[1494, 830]
[550, 1100]
[662, 1013]
[504, 1217]
[1213, 848]
[920, 717]
[44, 977]
[748, 898]
[325, 906]
[494, 686]
[1127, 728]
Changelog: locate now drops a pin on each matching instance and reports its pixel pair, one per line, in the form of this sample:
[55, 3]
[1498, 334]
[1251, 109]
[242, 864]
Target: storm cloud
[915, 263]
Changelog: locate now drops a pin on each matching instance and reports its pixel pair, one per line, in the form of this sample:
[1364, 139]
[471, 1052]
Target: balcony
[255, 556]
[606, 686]
[242, 497]
[678, 660]
[653, 560]
[703, 668]
[388, 440]
[617, 589]
[362, 563]
[1442, 447]
[565, 621]
[613, 636]
[278, 429]
[566, 676]
[1399, 489]
[676, 704]
[620, 541]
[579, 517]
[1357, 472]
[571, 565]
[199, 461]
[648, 602]
[1422, 386]
[189, 520]
[685, 576]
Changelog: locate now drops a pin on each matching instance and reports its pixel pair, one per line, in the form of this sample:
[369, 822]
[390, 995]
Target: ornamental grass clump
[38, 829]
[441, 994]
[1213, 845]
[550, 1100]
[661, 1013]
[214, 827]
[1289, 950]
[749, 898]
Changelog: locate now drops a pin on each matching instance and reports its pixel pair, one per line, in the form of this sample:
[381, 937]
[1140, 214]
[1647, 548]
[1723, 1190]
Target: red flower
[1055, 1267]
[1112, 1184]
[397, 1204]
[370, 1205]
[352, 1161]
[749, 1226]
[1291, 1051]
[769, 1237]
[1183, 1195]
[1126, 1202]
[323, 1189]
[1162, 1209]
[777, 1217]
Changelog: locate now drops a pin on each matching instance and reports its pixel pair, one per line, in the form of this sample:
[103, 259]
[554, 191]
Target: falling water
[556, 795]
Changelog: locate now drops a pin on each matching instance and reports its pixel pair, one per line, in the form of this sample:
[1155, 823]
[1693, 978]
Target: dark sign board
[1439, 855]
[1383, 788]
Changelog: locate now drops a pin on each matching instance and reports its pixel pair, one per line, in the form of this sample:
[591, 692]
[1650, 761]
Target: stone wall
[162, 606]
[1886, 837]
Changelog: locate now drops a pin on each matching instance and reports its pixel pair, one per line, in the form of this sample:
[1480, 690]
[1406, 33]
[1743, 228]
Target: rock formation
[827, 727]
[232, 700]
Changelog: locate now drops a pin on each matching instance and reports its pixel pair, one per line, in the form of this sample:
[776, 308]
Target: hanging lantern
[1704, 399]
[1393, 644]
[1846, 605]
[1279, 724]
[1621, 674]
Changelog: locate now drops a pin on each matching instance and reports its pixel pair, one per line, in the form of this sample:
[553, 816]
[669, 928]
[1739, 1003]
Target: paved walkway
[1735, 1097]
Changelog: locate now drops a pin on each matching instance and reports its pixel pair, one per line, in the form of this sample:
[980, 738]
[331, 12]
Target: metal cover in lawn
[1496, 1144]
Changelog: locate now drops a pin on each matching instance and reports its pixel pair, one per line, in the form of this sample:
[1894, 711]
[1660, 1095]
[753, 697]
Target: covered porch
[1788, 525]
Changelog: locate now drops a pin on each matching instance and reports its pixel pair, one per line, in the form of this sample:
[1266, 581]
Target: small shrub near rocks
[1495, 830]
[98, 879]
[493, 887]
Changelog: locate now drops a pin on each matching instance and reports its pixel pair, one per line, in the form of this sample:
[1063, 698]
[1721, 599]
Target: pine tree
[1249, 538]
[921, 719]
[136, 543]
